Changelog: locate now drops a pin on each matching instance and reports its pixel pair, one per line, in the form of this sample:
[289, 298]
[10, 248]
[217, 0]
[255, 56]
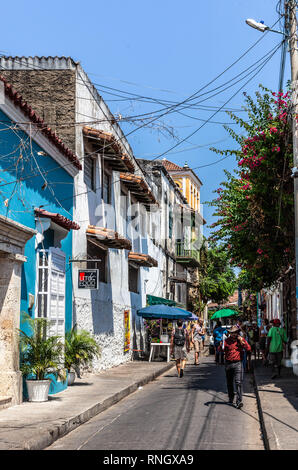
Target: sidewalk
[278, 400]
[34, 426]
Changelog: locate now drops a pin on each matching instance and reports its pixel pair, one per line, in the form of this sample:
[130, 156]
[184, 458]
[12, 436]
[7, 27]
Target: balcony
[188, 257]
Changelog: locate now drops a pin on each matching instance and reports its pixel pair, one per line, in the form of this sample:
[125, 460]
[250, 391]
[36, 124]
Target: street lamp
[260, 26]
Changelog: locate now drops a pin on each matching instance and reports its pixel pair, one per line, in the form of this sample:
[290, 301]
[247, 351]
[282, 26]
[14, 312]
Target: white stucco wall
[102, 312]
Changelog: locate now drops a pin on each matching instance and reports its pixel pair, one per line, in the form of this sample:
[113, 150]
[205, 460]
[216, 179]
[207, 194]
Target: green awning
[153, 300]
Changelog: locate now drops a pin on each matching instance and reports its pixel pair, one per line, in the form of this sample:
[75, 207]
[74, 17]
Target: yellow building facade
[187, 181]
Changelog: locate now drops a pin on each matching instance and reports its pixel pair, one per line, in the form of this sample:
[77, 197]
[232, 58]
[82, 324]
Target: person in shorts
[180, 346]
[196, 338]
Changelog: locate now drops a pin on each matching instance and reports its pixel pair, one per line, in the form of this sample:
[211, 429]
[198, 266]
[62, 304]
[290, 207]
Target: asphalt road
[171, 413]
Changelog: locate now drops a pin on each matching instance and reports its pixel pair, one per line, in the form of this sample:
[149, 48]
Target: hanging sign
[126, 330]
[88, 279]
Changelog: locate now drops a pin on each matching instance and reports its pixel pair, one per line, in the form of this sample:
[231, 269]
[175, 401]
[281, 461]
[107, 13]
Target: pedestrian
[251, 340]
[234, 347]
[180, 346]
[246, 354]
[218, 333]
[263, 331]
[203, 332]
[196, 338]
[239, 325]
[276, 339]
[191, 329]
[256, 336]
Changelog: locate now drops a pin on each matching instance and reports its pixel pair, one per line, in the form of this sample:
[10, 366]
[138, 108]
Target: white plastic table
[152, 345]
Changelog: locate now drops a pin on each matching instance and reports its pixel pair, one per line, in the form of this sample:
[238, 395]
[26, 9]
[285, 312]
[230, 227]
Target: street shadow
[280, 421]
[207, 403]
[287, 383]
[80, 384]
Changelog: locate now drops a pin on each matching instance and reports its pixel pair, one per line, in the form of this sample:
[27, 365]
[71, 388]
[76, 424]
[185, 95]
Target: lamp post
[290, 10]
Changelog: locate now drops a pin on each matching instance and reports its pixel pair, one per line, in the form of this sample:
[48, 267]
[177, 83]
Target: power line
[159, 156]
[194, 132]
[190, 98]
[187, 100]
[268, 59]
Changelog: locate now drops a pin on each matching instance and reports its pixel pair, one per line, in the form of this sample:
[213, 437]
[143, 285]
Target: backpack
[179, 337]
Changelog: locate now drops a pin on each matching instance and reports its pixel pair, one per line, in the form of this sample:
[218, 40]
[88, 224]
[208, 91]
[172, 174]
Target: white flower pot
[38, 390]
[71, 378]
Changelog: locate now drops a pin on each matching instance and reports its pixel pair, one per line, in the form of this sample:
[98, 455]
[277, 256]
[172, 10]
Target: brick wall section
[51, 93]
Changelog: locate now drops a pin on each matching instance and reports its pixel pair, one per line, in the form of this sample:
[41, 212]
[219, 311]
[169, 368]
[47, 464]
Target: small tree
[80, 348]
[216, 279]
[41, 353]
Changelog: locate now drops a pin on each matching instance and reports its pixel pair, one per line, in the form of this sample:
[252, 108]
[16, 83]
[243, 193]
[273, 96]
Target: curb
[260, 411]
[56, 431]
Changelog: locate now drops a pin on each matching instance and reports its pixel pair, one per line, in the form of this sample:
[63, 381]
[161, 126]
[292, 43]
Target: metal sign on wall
[88, 279]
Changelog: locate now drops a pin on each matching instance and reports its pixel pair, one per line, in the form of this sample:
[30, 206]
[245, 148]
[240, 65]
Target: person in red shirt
[233, 351]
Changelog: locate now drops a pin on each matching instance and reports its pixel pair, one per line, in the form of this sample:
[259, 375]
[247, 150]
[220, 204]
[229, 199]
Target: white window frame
[55, 316]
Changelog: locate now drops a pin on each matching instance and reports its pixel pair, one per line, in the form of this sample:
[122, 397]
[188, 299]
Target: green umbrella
[224, 312]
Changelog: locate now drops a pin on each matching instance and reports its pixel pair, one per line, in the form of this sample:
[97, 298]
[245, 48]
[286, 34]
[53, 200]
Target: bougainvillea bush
[255, 205]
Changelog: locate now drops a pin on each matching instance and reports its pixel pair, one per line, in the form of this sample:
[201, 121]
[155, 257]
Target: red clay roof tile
[57, 218]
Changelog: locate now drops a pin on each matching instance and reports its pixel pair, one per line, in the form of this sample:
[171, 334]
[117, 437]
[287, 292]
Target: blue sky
[163, 49]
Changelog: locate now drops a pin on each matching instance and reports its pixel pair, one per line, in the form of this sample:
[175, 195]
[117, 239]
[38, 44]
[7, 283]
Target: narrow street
[171, 413]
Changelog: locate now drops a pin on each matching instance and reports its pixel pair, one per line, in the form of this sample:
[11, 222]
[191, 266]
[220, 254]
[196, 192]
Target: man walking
[233, 350]
[179, 345]
[276, 339]
[218, 333]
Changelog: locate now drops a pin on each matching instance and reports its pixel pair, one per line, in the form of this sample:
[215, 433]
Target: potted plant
[41, 355]
[80, 349]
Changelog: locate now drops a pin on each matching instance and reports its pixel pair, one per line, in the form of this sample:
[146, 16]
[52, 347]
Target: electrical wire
[161, 155]
[191, 97]
[195, 94]
[199, 128]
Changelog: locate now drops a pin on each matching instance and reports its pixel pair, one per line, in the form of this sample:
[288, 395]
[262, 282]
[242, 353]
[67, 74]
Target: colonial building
[188, 182]
[37, 174]
[126, 215]
[179, 230]
[189, 185]
[112, 203]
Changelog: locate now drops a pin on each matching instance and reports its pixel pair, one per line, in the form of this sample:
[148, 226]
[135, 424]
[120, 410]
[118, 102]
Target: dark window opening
[133, 279]
[106, 188]
[90, 172]
[96, 253]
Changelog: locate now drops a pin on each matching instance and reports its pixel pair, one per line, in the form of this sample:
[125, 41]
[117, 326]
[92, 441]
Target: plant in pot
[41, 355]
[80, 349]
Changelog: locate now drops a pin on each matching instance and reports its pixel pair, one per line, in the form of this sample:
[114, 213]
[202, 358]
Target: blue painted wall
[22, 187]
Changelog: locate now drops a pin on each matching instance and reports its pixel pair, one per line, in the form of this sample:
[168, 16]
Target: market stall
[160, 319]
